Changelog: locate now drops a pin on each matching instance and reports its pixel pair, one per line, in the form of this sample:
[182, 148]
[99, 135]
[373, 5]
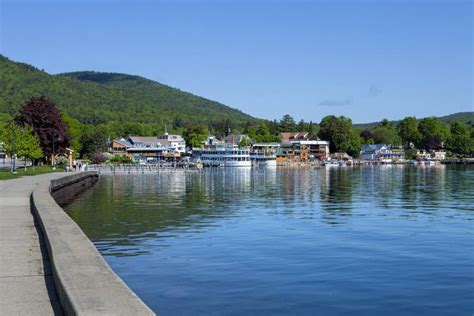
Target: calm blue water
[367, 241]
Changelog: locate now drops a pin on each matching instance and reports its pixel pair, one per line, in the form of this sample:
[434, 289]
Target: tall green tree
[93, 140]
[29, 146]
[302, 125]
[22, 141]
[244, 142]
[460, 142]
[433, 133]
[367, 137]
[74, 129]
[355, 144]
[251, 131]
[340, 134]
[195, 135]
[288, 124]
[10, 136]
[386, 133]
[312, 129]
[408, 131]
[263, 135]
[45, 119]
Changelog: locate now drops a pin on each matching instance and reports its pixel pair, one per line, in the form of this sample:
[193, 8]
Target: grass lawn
[5, 174]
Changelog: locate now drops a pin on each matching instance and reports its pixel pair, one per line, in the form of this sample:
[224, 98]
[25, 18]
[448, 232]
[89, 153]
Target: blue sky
[363, 59]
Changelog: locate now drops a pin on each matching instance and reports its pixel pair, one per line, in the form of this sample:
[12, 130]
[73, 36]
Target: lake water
[382, 240]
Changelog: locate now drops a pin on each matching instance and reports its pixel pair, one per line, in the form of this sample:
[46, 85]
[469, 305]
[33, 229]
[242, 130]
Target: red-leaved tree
[45, 119]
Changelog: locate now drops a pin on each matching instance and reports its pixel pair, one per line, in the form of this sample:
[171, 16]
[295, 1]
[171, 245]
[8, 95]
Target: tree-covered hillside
[97, 107]
[99, 98]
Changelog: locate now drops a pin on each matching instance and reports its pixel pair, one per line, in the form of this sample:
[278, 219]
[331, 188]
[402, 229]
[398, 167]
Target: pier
[145, 168]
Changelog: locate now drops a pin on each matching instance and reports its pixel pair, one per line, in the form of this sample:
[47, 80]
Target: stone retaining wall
[84, 282]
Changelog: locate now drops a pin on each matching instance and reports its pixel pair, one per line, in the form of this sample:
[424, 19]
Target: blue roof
[372, 147]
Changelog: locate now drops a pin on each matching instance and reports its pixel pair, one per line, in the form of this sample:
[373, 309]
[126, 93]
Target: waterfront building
[119, 146]
[144, 149]
[380, 153]
[297, 146]
[174, 142]
[431, 154]
[215, 152]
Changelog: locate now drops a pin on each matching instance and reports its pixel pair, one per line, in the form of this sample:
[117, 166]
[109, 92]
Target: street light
[13, 169]
[53, 159]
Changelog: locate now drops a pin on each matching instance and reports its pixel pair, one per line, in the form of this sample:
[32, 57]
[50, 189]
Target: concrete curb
[85, 284]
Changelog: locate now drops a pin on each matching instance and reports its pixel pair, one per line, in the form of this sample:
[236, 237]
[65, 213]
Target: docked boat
[334, 163]
[223, 157]
[215, 153]
[264, 154]
[423, 162]
[263, 159]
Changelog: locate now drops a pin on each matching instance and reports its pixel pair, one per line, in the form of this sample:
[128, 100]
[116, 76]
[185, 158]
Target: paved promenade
[26, 283]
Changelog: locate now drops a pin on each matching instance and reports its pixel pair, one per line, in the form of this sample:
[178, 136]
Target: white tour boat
[218, 154]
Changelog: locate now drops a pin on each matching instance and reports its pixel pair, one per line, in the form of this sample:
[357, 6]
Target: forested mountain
[98, 98]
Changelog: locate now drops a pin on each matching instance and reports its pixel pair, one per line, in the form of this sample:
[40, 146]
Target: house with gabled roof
[119, 146]
[149, 148]
[379, 152]
[287, 137]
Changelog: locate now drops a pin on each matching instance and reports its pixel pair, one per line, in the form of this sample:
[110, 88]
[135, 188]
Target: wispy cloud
[336, 102]
[374, 91]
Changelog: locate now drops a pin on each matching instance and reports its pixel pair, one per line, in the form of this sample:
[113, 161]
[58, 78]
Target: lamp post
[21, 136]
[53, 165]
[13, 169]
[53, 159]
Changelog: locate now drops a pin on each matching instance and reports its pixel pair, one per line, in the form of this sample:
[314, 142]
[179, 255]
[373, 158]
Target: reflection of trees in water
[383, 182]
[405, 187]
[408, 188]
[294, 188]
[459, 186]
[122, 212]
[422, 187]
[127, 210]
[336, 193]
[431, 187]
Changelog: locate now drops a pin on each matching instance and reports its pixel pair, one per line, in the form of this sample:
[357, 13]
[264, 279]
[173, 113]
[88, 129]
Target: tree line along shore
[40, 131]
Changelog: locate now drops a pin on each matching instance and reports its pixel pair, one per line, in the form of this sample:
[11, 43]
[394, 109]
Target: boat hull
[265, 162]
[231, 163]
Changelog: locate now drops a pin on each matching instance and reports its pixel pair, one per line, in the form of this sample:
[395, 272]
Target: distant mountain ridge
[466, 117]
[94, 97]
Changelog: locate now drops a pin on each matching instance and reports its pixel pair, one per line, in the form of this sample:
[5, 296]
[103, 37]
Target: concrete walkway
[26, 283]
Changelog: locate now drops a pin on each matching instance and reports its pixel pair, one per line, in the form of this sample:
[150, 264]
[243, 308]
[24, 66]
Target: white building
[173, 142]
